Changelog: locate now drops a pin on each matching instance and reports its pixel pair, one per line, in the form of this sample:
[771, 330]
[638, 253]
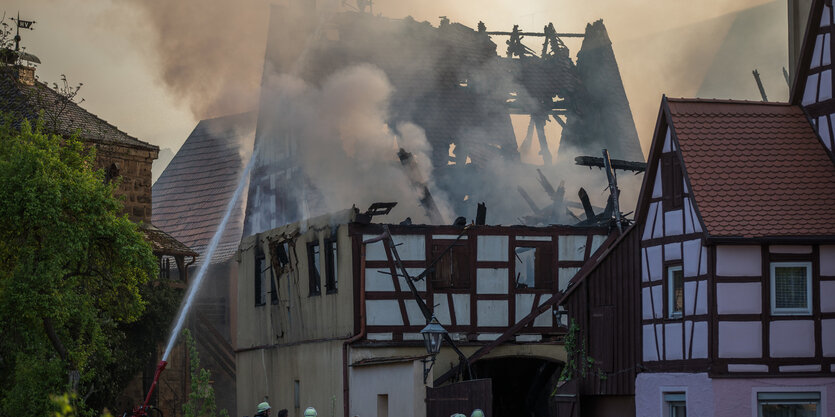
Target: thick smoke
[345, 147]
[209, 52]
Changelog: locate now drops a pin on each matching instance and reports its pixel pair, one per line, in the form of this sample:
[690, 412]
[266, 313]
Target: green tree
[201, 399]
[71, 270]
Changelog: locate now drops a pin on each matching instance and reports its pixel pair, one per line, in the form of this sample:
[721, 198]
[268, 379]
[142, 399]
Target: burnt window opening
[278, 253]
[260, 278]
[331, 262]
[672, 181]
[314, 266]
[111, 173]
[273, 288]
[453, 268]
[675, 291]
[282, 254]
[534, 266]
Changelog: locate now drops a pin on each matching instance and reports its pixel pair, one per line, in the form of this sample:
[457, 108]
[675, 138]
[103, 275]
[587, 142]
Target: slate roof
[26, 102]
[163, 243]
[191, 195]
[756, 169]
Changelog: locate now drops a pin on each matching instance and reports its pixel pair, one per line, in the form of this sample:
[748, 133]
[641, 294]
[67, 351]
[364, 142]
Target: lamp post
[432, 334]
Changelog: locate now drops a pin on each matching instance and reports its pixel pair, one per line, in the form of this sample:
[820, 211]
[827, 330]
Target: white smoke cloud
[344, 147]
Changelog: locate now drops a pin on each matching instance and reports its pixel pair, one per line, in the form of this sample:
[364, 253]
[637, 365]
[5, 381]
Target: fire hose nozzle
[160, 368]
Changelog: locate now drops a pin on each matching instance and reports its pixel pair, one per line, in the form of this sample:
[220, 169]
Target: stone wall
[133, 165]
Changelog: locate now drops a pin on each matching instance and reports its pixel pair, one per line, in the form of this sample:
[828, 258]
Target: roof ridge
[726, 101]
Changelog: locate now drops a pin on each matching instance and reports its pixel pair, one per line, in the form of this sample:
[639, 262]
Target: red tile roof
[757, 169]
[191, 195]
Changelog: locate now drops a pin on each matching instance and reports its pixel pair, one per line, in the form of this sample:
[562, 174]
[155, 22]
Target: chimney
[25, 74]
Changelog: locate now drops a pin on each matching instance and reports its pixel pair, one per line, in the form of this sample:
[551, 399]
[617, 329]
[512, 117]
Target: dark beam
[540, 34]
[591, 161]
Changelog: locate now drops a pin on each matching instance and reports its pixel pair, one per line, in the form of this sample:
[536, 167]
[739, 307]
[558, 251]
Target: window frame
[789, 397]
[314, 274]
[783, 311]
[452, 253]
[674, 399]
[545, 268]
[670, 294]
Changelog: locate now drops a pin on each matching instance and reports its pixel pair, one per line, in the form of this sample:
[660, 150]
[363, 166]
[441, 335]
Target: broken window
[314, 266]
[453, 268]
[260, 278]
[331, 276]
[534, 266]
[672, 181]
[279, 258]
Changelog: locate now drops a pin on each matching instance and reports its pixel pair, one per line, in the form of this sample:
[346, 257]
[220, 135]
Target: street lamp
[432, 335]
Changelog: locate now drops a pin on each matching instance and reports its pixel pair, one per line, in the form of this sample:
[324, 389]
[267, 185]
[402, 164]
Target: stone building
[129, 159]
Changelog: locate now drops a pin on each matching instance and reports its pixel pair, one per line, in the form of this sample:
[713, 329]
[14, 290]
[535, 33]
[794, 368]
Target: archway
[521, 385]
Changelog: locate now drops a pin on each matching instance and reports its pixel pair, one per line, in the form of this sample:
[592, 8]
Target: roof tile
[756, 169]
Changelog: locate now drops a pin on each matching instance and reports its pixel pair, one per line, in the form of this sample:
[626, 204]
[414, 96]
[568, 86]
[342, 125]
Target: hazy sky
[155, 67]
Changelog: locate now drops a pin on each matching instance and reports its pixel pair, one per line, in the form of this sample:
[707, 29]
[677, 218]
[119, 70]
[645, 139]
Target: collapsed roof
[456, 85]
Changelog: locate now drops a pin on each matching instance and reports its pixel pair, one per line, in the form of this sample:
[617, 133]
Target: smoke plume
[208, 52]
[345, 147]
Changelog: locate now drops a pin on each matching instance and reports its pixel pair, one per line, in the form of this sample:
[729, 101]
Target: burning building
[342, 92]
[356, 109]
[331, 310]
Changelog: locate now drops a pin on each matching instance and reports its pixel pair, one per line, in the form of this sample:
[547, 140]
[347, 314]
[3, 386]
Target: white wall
[402, 382]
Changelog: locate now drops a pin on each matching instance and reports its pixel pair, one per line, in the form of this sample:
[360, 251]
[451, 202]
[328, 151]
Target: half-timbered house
[725, 282]
[728, 276]
[325, 320]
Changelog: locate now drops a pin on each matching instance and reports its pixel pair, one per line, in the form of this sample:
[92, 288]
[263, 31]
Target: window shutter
[544, 275]
[677, 178]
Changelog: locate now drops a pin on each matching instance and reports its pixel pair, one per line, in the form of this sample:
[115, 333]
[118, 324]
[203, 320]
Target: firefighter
[310, 412]
[263, 410]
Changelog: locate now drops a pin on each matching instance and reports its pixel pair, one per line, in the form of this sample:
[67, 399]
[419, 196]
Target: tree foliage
[71, 270]
[201, 399]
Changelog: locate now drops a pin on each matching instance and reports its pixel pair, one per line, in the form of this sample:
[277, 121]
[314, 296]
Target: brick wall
[134, 168]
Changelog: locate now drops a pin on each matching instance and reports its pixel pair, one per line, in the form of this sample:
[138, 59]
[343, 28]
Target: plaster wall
[650, 389]
[792, 338]
[401, 382]
[738, 261]
[722, 397]
[297, 316]
[737, 397]
[742, 339]
[827, 255]
[273, 372]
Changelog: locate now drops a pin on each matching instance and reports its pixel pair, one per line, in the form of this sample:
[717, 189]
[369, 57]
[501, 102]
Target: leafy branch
[578, 363]
[201, 399]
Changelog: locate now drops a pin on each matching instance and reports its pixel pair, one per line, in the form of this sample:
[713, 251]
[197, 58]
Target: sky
[156, 67]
